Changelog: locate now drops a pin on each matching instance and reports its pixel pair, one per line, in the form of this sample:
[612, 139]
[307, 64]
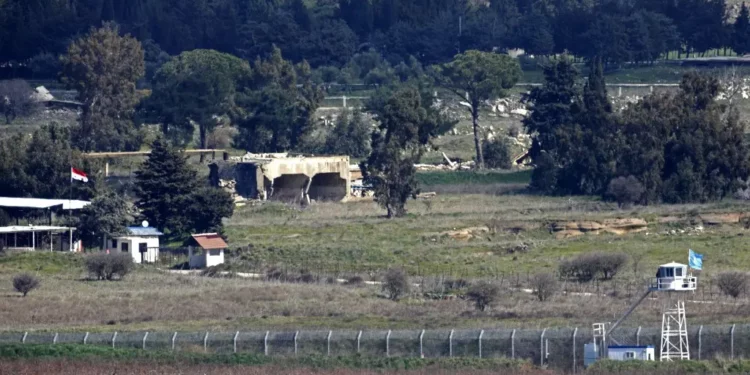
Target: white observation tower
[671, 277]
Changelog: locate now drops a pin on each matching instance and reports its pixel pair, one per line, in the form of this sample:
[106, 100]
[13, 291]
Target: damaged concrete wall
[290, 179]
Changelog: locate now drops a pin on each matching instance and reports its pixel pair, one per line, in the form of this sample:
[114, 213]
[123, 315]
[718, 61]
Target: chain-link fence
[560, 348]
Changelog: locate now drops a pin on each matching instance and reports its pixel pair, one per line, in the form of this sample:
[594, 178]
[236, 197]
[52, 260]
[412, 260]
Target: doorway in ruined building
[327, 187]
[289, 188]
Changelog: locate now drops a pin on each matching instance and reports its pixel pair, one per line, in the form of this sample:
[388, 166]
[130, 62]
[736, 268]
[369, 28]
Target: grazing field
[444, 243]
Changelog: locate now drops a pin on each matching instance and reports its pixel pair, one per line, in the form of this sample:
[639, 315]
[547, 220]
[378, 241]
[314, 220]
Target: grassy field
[511, 241]
[85, 360]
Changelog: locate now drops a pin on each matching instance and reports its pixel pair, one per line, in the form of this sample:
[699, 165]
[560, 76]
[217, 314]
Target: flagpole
[70, 191]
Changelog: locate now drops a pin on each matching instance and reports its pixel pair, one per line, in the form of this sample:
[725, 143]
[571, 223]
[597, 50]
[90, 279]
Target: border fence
[559, 348]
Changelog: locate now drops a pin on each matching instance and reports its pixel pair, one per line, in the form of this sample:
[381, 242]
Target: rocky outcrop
[615, 226]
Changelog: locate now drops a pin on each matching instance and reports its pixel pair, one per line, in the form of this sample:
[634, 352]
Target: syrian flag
[78, 175]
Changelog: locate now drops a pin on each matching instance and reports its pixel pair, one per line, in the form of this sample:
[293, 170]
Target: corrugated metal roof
[42, 203]
[210, 241]
[35, 228]
[144, 231]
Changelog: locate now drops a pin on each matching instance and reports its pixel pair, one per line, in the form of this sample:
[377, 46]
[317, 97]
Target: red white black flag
[78, 175]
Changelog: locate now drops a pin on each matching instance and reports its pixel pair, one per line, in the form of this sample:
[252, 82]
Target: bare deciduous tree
[732, 283]
[544, 286]
[24, 283]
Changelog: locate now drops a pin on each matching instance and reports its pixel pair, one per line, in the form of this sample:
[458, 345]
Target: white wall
[641, 354]
[207, 259]
[214, 257]
[134, 242]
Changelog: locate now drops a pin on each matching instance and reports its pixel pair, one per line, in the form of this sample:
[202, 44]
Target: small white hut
[141, 242]
[212, 254]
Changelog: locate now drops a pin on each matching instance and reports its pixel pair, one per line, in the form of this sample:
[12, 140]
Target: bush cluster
[104, 266]
[732, 283]
[298, 276]
[24, 283]
[483, 294]
[544, 286]
[395, 283]
[587, 267]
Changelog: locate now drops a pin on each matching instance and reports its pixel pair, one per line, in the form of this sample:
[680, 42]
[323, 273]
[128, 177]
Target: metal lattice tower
[674, 336]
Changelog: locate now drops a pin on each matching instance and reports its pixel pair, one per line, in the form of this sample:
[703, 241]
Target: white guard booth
[673, 277]
[618, 353]
[627, 353]
[141, 242]
[212, 254]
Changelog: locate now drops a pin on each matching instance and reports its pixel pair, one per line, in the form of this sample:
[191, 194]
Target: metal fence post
[359, 338]
[114, 338]
[450, 344]
[85, 337]
[388, 344]
[295, 342]
[234, 341]
[700, 341]
[421, 344]
[54, 339]
[638, 336]
[513, 345]
[328, 343]
[144, 340]
[575, 332]
[265, 343]
[479, 342]
[23, 339]
[731, 345]
[174, 337]
[541, 347]
[205, 342]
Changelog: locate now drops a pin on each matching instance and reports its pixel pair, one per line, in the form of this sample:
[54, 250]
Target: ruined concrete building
[280, 177]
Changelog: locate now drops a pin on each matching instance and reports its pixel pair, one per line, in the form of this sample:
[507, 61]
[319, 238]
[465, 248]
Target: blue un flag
[695, 260]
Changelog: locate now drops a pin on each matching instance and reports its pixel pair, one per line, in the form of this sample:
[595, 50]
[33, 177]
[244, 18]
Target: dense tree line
[681, 147]
[330, 32]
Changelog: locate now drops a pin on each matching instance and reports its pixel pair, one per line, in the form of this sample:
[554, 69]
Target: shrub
[24, 283]
[355, 280]
[497, 154]
[483, 295]
[589, 266]
[732, 283]
[395, 283]
[544, 286]
[625, 191]
[104, 266]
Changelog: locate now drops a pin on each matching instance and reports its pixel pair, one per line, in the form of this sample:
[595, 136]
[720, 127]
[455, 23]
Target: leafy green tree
[16, 100]
[194, 87]
[497, 154]
[477, 76]
[107, 216]
[741, 32]
[209, 205]
[104, 67]
[277, 105]
[350, 136]
[405, 127]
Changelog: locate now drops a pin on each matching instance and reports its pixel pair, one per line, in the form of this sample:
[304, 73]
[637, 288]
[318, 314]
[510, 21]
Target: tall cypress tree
[164, 186]
[593, 163]
[551, 122]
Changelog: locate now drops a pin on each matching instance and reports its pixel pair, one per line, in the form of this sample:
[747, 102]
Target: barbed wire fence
[559, 348]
